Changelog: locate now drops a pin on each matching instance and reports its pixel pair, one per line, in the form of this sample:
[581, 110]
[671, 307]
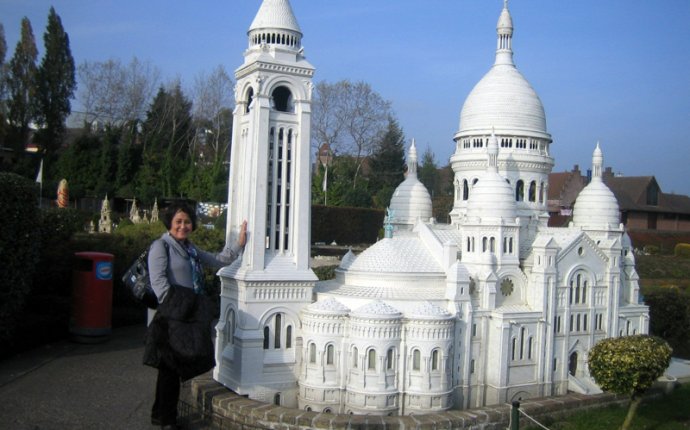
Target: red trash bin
[92, 296]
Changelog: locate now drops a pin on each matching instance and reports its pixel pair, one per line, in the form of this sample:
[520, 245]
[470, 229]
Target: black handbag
[138, 282]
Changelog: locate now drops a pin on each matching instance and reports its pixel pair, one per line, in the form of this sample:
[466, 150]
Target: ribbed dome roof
[492, 197]
[411, 199]
[275, 14]
[396, 255]
[503, 99]
[596, 205]
[377, 309]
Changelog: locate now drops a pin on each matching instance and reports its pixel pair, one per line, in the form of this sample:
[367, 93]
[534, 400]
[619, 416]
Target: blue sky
[613, 71]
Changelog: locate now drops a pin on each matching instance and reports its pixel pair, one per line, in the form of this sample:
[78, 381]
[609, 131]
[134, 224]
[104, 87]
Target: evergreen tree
[78, 164]
[108, 161]
[21, 85]
[387, 164]
[128, 160]
[3, 86]
[55, 84]
[166, 152]
[428, 172]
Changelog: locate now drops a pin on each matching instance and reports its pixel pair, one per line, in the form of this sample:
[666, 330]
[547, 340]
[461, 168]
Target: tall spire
[597, 163]
[412, 160]
[492, 151]
[504, 30]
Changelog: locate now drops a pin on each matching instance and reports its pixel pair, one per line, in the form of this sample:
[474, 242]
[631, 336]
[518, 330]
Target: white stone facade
[492, 308]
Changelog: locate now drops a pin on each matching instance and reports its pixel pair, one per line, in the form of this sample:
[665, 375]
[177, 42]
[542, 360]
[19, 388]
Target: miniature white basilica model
[492, 308]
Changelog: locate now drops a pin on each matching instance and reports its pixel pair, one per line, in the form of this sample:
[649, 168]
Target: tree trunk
[632, 409]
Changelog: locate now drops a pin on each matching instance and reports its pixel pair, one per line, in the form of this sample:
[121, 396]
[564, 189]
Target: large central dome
[503, 100]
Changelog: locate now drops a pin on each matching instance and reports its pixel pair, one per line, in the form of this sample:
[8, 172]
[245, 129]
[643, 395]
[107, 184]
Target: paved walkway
[79, 386]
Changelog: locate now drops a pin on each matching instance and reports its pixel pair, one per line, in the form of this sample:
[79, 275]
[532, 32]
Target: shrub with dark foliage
[19, 247]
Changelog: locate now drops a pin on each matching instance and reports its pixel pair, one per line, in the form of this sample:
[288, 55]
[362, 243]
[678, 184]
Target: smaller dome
[596, 205]
[328, 306]
[428, 310]
[492, 197]
[411, 200]
[377, 309]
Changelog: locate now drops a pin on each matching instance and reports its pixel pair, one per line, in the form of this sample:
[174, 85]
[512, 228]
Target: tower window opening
[434, 360]
[355, 358]
[312, 353]
[416, 359]
[249, 99]
[282, 99]
[389, 359]
[465, 190]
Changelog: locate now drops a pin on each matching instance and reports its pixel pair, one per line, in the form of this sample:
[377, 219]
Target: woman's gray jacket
[180, 334]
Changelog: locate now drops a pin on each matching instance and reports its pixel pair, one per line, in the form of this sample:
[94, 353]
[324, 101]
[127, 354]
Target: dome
[596, 205]
[377, 309]
[492, 197]
[503, 99]
[428, 310]
[328, 306]
[399, 254]
[275, 14]
[411, 200]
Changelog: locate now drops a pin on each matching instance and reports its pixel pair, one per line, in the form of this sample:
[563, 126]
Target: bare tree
[114, 94]
[351, 118]
[213, 103]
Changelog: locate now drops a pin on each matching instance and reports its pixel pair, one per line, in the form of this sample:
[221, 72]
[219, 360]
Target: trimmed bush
[682, 250]
[20, 245]
[669, 318]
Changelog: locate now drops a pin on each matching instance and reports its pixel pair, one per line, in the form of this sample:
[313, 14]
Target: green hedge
[669, 318]
[20, 244]
[345, 226]
[682, 250]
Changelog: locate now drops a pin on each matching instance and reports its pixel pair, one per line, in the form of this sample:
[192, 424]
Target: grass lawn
[662, 413]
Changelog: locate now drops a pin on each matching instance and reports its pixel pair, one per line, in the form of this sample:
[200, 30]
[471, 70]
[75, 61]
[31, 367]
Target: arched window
[519, 191]
[485, 245]
[355, 358]
[465, 190]
[533, 191]
[312, 353]
[230, 334]
[249, 99]
[288, 337]
[434, 360]
[492, 245]
[278, 324]
[276, 399]
[389, 359]
[329, 354]
[513, 352]
[371, 359]
[282, 99]
[267, 334]
[416, 359]
[578, 288]
[541, 192]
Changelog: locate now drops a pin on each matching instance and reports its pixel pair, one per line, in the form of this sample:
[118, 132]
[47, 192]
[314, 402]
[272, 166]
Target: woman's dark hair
[170, 211]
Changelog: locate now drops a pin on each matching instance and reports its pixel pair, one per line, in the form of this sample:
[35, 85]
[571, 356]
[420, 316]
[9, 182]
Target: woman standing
[179, 339]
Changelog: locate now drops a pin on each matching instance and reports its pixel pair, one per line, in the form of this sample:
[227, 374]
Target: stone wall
[229, 411]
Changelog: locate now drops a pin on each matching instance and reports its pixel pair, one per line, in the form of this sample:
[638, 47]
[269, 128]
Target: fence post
[515, 416]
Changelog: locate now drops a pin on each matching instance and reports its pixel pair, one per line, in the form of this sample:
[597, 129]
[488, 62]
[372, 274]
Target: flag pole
[39, 179]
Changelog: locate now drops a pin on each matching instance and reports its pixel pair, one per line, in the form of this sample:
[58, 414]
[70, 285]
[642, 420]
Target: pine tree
[3, 85]
[55, 85]
[428, 172]
[387, 164]
[21, 85]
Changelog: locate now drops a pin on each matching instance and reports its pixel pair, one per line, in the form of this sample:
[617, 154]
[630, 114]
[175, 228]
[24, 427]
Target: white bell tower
[269, 186]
